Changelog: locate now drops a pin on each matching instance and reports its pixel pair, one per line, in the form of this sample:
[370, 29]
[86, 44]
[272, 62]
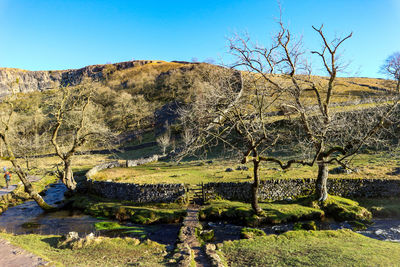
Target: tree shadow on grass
[52, 241]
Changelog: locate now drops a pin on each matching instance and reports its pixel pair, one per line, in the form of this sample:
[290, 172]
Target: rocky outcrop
[30, 81]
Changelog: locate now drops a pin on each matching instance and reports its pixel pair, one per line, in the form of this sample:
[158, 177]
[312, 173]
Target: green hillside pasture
[370, 166]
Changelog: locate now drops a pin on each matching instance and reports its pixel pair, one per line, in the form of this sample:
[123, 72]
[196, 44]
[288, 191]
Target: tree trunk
[21, 175]
[68, 176]
[398, 86]
[321, 188]
[254, 189]
[30, 190]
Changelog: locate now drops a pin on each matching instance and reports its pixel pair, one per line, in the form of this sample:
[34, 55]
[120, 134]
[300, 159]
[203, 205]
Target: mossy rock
[250, 233]
[343, 209]
[31, 225]
[137, 213]
[311, 225]
[106, 225]
[358, 226]
[207, 235]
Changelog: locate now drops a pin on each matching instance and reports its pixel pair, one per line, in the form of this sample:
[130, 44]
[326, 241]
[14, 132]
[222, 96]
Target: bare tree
[230, 111]
[391, 68]
[239, 108]
[329, 135]
[8, 137]
[77, 121]
[164, 140]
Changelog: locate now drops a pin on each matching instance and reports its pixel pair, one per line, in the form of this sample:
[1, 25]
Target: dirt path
[12, 256]
[5, 190]
[189, 224]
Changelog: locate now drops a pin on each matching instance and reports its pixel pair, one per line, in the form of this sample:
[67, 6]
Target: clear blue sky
[54, 34]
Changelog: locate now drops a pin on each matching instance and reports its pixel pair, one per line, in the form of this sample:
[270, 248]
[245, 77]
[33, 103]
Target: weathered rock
[30, 81]
[73, 241]
[242, 168]
[340, 170]
[103, 166]
[137, 162]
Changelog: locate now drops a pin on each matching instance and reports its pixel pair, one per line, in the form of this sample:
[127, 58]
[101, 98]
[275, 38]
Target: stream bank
[29, 218]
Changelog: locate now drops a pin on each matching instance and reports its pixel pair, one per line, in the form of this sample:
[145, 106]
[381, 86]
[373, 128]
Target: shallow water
[381, 229]
[29, 218]
[16, 219]
[384, 229]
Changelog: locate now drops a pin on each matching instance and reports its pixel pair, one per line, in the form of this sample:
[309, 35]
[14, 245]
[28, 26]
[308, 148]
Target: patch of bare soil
[12, 256]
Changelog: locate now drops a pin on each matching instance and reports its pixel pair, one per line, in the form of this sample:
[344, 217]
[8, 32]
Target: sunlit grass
[369, 166]
[311, 248]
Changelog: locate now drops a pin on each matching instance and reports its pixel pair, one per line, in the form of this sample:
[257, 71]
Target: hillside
[31, 81]
[158, 80]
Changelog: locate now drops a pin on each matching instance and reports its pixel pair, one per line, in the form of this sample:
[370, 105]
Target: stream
[381, 229]
[29, 218]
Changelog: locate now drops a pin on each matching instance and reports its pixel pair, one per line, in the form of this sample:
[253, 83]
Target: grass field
[380, 165]
[311, 248]
[281, 212]
[109, 252]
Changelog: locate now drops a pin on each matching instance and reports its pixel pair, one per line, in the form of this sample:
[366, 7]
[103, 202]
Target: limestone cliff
[30, 81]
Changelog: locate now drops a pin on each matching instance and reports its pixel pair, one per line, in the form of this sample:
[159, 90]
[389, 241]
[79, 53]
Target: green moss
[204, 235]
[303, 209]
[106, 226]
[242, 213]
[115, 229]
[249, 233]
[357, 226]
[343, 209]
[382, 207]
[129, 211]
[305, 226]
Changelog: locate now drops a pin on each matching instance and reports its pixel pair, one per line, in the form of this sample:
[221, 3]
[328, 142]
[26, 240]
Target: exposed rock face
[30, 81]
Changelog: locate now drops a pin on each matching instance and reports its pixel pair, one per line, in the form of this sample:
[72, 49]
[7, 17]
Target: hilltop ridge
[155, 79]
[30, 81]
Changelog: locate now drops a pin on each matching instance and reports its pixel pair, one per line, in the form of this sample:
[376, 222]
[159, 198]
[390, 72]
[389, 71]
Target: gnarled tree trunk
[68, 176]
[21, 175]
[30, 190]
[254, 189]
[321, 184]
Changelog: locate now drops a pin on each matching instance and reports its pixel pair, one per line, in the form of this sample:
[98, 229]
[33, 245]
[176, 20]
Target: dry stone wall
[129, 191]
[147, 193]
[291, 188]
